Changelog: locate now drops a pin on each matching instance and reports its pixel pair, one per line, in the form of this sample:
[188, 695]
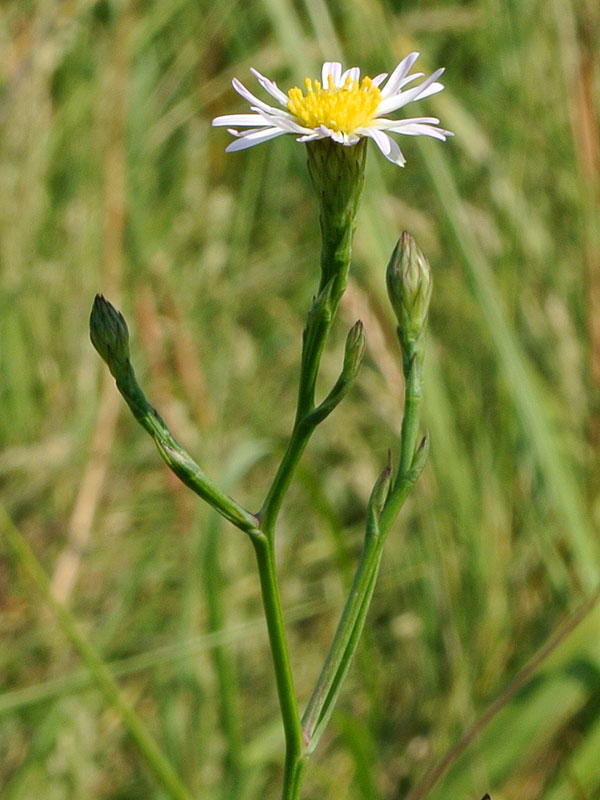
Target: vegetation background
[484, 624]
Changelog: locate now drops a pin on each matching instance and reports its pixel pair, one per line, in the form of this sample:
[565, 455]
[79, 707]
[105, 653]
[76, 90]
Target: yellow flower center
[340, 109]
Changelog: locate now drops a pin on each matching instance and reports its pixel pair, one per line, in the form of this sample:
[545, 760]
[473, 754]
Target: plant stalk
[294, 743]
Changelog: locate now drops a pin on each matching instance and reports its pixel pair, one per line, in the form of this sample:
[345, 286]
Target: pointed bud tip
[356, 334]
[403, 242]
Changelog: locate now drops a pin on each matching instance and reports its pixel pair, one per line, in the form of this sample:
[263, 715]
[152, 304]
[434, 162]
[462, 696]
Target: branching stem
[337, 174]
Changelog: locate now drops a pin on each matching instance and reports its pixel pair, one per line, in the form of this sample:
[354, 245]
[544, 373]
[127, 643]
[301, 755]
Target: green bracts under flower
[337, 174]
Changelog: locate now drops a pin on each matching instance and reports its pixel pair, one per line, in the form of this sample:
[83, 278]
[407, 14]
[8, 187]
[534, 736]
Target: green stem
[133, 723]
[343, 647]
[294, 750]
[413, 367]
[272, 504]
[176, 457]
[324, 695]
[346, 638]
[292, 787]
[345, 659]
[318, 325]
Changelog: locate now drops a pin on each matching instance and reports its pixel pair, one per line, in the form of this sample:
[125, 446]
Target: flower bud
[380, 491]
[409, 284]
[109, 335]
[378, 498]
[355, 350]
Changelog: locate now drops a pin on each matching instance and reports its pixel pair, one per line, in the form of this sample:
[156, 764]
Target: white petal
[337, 136]
[383, 124]
[240, 134]
[252, 99]
[271, 87]
[347, 139]
[287, 124]
[399, 74]
[353, 73]
[333, 69]
[433, 89]
[401, 99]
[416, 129]
[381, 140]
[272, 113]
[379, 78]
[388, 147]
[424, 89]
[239, 119]
[251, 138]
[311, 137]
[409, 79]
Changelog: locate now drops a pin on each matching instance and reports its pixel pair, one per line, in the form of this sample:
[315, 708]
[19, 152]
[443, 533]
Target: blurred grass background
[112, 180]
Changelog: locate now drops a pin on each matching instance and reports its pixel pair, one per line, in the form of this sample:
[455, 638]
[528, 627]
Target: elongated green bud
[420, 456]
[353, 356]
[355, 350]
[379, 496]
[409, 284]
[110, 336]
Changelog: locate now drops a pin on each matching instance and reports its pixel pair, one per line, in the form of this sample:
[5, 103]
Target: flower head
[341, 107]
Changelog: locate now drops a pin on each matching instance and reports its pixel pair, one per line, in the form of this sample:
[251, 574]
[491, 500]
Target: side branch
[307, 416]
[110, 337]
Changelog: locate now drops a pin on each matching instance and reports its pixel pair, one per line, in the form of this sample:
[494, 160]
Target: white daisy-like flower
[341, 107]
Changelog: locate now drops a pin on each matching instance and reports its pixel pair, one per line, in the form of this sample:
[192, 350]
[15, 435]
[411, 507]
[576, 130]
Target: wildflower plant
[334, 118]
